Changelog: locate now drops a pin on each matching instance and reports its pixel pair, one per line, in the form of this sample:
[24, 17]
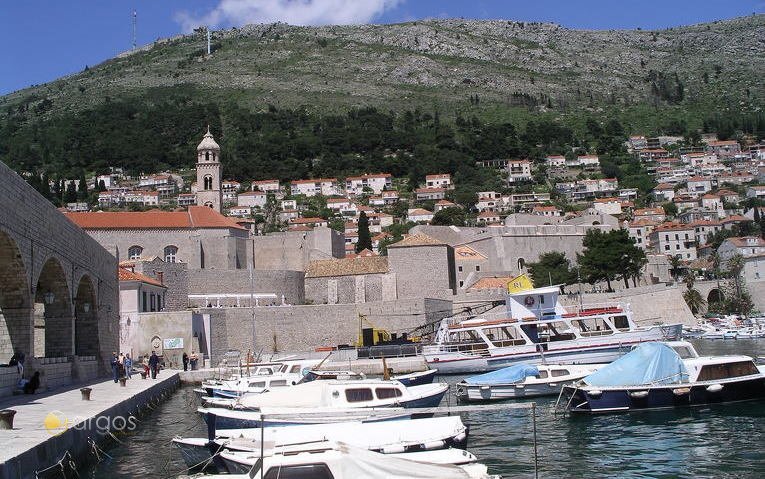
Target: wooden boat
[666, 375]
[537, 329]
[522, 381]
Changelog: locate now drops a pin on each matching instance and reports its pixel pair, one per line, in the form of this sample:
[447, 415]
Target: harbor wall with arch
[58, 292]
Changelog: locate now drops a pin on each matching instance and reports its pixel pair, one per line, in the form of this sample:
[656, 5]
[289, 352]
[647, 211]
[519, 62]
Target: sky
[47, 39]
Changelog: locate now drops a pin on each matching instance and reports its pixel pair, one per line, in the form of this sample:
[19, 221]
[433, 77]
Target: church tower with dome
[208, 173]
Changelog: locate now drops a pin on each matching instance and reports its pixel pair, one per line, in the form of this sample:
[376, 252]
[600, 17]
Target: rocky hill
[431, 63]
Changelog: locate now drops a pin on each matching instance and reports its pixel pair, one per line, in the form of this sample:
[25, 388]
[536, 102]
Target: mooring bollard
[123, 381]
[6, 418]
[85, 393]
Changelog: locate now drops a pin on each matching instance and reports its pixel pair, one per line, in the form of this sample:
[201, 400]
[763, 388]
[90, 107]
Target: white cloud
[230, 13]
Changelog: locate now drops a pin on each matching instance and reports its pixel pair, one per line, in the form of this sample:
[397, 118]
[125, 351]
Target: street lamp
[49, 297]
[86, 307]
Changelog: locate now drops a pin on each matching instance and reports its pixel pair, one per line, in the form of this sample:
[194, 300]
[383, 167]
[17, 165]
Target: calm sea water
[720, 441]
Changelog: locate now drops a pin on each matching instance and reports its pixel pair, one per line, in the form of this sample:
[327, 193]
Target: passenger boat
[536, 328]
[666, 375]
[341, 461]
[386, 437]
[522, 381]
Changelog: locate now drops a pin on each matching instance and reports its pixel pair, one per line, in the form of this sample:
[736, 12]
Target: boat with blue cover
[666, 375]
[522, 381]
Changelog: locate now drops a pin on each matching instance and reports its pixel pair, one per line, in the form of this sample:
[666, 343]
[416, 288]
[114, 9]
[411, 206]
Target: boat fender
[393, 449]
[519, 386]
[681, 391]
[638, 394]
[430, 445]
[460, 437]
[485, 388]
[553, 385]
[595, 393]
[715, 388]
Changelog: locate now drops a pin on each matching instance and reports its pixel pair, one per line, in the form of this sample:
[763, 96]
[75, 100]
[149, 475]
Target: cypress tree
[82, 188]
[71, 192]
[365, 239]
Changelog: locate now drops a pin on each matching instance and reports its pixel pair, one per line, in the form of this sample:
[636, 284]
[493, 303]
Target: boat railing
[472, 347]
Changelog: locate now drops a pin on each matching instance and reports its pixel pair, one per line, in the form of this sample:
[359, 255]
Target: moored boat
[536, 328]
[416, 379]
[522, 381]
[666, 375]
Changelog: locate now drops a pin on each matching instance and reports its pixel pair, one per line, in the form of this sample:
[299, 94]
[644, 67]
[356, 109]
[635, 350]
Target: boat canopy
[647, 364]
[508, 375]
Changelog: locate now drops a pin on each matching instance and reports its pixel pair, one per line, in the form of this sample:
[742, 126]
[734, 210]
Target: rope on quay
[97, 451]
[65, 467]
[204, 464]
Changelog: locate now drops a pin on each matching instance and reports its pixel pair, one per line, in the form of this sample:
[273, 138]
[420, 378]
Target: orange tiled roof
[125, 274]
[196, 217]
[499, 282]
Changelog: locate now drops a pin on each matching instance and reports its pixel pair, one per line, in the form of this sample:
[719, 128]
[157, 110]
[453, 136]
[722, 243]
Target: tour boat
[666, 375]
[536, 328]
[387, 437]
[522, 381]
[331, 460]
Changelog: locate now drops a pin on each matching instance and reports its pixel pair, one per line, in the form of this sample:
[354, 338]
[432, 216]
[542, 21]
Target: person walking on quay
[185, 361]
[128, 366]
[121, 365]
[193, 359]
[115, 366]
[154, 364]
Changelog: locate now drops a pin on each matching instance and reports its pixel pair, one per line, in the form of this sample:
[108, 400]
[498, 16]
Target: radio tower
[135, 19]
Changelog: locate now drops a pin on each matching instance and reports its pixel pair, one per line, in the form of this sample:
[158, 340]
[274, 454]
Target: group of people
[122, 366]
[190, 360]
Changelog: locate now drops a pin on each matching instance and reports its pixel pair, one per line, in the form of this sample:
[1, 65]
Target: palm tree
[692, 296]
[675, 266]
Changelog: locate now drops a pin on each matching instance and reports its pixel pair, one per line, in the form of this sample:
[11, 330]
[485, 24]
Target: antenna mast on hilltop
[135, 19]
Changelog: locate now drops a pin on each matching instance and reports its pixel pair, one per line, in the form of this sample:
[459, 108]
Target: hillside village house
[698, 185]
[755, 192]
[252, 199]
[713, 203]
[419, 215]
[549, 211]
[310, 222]
[640, 232]
[684, 202]
[518, 171]
[442, 205]
[439, 181]
[704, 229]
[587, 162]
[607, 206]
[724, 148]
[338, 204]
[653, 214]
[430, 193]
[735, 178]
[139, 293]
[555, 162]
[240, 211]
[319, 186]
[355, 185]
[488, 217]
[674, 239]
[752, 248]
[269, 186]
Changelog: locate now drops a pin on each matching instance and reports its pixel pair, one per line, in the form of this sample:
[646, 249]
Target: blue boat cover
[647, 364]
[510, 374]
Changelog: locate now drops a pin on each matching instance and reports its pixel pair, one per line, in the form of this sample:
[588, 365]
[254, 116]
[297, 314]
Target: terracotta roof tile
[499, 282]
[125, 274]
[195, 217]
[347, 267]
[417, 239]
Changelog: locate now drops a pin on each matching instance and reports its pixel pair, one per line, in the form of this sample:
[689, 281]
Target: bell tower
[208, 173]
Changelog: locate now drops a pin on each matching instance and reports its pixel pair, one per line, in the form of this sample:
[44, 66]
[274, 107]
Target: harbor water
[720, 441]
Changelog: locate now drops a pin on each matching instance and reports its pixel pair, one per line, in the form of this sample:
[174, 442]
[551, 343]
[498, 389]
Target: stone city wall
[287, 283]
[304, 328]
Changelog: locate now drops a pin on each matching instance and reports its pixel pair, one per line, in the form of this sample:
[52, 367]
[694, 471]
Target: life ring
[529, 301]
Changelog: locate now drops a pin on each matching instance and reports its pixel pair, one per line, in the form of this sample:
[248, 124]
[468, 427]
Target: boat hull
[498, 392]
[596, 401]
[417, 379]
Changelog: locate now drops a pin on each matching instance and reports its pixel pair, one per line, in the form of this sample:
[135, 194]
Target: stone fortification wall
[304, 328]
[138, 329]
[175, 276]
[649, 304]
[423, 271]
[293, 250]
[350, 289]
[287, 283]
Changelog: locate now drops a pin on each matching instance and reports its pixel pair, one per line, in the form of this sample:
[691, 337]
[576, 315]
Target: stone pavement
[47, 425]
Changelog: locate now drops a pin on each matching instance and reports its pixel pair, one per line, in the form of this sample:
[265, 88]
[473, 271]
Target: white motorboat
[522, 381]
[730, 334]
[257, 372]
[536, 328]
[242, 462]
[341, 461]
[386, 437]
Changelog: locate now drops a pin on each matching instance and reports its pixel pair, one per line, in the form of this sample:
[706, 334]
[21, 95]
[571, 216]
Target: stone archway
[715, 296]
[15, 307]
[85, 319]
[53, 313]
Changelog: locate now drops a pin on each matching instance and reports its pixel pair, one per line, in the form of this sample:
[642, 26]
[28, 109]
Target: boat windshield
[592, 326]
[684, 352]
[256, 469]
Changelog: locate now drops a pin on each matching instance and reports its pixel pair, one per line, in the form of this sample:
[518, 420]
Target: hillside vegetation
[291, 101]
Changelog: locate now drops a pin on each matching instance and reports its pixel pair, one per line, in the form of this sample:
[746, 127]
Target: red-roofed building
[439, 181]
[139, 293]
[653, 214]
[355, 185]
[674, 239]
[550, 211]
[430, 193]
[319, 186]
[724, 148]
[640, 232]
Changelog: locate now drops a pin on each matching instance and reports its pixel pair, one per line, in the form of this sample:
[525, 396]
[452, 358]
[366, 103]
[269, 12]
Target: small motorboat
[416, 379]
[386, 437]
[665, 375]
[227, 418]
[522, 381]
[730, 334]
[331, 460]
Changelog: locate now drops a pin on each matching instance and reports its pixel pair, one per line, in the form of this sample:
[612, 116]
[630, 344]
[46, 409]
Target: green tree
[608, 256]
[670, 209]
[71, 192]
[452, 216]
[692, 296]
[82, 189]
[365, 239]
[675, 267]
[552, 266]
